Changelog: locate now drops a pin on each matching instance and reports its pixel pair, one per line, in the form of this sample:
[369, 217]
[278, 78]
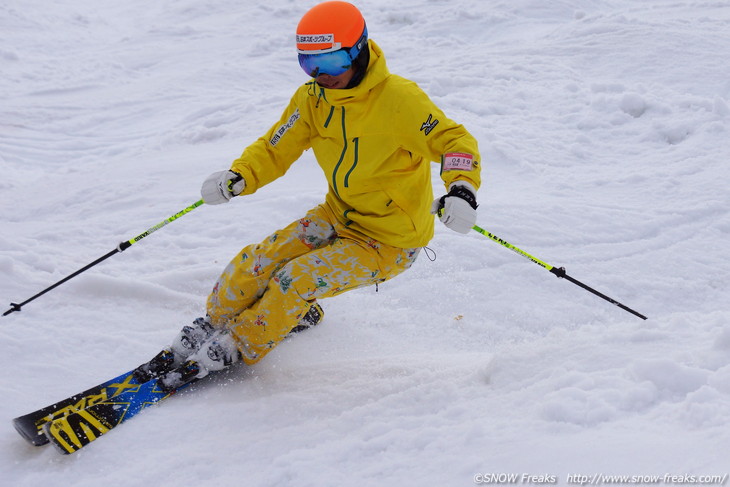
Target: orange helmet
[330, 26]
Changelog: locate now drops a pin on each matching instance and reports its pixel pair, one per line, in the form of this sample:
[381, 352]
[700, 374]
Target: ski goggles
[333, 63]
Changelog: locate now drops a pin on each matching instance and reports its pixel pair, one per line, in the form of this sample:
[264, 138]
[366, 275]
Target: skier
[374, 134]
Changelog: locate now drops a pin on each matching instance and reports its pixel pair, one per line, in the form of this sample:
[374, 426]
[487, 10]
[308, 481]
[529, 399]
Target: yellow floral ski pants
[268, 287]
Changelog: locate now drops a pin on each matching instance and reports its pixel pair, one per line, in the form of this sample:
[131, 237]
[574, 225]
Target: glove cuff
[236, 184]
[463, 190]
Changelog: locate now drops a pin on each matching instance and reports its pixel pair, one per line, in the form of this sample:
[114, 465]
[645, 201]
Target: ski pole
[558, 271]
[120, 248]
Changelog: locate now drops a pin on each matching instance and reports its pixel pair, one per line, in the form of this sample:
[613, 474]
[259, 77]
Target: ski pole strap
[558, 271]
[120, 248]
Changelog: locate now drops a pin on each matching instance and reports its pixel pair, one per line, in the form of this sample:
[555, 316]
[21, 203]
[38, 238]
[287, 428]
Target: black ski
[76, 421]
[30, 426]
[77, 429]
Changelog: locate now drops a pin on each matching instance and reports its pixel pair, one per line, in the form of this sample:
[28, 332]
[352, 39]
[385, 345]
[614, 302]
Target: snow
[604, 130]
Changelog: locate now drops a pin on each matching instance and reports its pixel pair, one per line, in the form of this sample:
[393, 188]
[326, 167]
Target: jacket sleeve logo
[429, 125]
[284, 128]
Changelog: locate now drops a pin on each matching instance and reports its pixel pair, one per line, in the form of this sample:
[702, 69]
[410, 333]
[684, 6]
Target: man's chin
[330, 85]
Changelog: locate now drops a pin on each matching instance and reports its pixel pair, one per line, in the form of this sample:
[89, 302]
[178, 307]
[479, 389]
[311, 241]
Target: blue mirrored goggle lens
[332, 63]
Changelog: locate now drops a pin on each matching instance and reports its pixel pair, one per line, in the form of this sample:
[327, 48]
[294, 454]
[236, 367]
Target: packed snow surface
[604, 127]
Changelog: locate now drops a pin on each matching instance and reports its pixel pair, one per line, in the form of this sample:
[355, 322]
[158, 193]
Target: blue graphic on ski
[30, 426]
[76, 430]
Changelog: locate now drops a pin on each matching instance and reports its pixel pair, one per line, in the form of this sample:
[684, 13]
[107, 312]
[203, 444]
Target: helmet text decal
[315, 38]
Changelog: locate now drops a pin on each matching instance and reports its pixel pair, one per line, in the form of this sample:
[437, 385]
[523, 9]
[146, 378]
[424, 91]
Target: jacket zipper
[356, 142]
[342, 155]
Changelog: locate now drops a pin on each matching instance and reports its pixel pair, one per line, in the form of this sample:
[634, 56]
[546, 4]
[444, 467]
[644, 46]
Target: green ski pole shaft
[558, 271]
[125, 245]
[120, 248]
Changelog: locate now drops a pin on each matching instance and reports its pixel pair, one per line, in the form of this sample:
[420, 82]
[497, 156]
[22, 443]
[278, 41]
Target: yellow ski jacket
[375, 143]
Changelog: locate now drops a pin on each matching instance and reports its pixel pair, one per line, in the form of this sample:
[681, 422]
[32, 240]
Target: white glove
[457, 209]
[221, 186]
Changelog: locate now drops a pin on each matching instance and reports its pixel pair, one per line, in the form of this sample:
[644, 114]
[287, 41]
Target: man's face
[335, 82]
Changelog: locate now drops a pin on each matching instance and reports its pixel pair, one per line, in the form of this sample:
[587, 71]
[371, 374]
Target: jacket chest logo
[429, 125]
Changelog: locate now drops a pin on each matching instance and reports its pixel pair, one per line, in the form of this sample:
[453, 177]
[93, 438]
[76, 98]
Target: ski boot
[216, 353]
[186, 343]
[178, 361]
[312, 317]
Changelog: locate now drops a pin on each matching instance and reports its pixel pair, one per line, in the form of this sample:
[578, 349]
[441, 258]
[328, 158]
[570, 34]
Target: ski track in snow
[604, 130]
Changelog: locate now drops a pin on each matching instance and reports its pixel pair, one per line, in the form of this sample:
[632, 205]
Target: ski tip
[30, 432]
[56, 444]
